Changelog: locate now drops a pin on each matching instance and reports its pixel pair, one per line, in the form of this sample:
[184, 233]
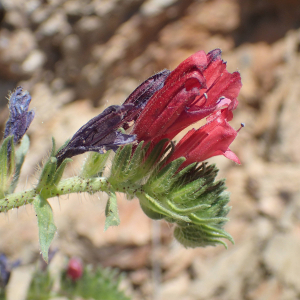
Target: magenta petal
[160, 100]
[232, 156]
[196, 61]
[171, 112]
[228, 85]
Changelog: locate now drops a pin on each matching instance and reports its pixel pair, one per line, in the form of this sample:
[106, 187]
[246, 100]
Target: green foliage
[41, 286]
[101, 284]
[20, 156]
[190, 197]
[51, 173]
[111, 212]
[7, 165]
[46, 224]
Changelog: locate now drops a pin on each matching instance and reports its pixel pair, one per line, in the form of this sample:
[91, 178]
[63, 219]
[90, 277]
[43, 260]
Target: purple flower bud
[140, 96]
[19, 116]
[102, 133]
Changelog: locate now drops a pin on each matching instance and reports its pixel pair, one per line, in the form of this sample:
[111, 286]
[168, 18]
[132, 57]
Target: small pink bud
[75, 268]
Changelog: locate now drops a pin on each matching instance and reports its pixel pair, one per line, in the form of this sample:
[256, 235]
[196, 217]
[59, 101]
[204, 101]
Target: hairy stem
[67, 186]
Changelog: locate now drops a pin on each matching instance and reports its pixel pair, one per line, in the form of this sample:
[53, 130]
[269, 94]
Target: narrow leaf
[20, 156]
[46, 224]
[7, 165]
[111, 212]
[48, 173]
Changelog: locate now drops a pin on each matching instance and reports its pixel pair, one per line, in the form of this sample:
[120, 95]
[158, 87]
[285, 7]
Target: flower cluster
[164, 105]
[199, 87]
[170, 180]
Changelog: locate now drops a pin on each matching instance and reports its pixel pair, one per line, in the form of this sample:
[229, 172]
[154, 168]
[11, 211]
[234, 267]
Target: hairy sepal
[20, 154]
[94, 164]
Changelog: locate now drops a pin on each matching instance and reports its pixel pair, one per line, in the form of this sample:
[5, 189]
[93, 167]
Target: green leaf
[111, 212]
[7, 165]
[48, 173]
[20, 156]
[46, 224]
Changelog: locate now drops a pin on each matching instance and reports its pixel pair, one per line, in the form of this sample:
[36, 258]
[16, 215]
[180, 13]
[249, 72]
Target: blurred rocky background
[76, 57]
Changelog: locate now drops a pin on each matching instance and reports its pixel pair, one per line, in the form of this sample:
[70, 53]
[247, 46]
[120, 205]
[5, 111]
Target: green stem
[66, 186]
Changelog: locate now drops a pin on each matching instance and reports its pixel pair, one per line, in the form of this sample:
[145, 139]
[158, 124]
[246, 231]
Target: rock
[34, 61]
[281, 258]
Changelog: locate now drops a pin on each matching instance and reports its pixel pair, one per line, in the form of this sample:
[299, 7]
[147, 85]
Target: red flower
[199, 87]
[75, 268]
[209, 140]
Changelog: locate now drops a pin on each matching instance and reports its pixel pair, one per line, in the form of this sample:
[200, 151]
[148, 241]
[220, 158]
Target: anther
[242, 126]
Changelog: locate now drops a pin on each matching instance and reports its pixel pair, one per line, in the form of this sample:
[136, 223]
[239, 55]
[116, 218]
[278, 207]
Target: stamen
[242, 126]
[220, 99]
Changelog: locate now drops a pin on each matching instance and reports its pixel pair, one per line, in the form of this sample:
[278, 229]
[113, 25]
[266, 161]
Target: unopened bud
[75, 268]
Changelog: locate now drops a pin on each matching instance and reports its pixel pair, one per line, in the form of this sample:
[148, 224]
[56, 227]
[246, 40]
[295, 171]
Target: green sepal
[210, 220]
[20, 157]
[151, 161]
[46, 224]
[61, 147]
[186, 192]
[135, 168]
[209, 194]
[185, 171]
[157, 207]
[128, 165]
[53, 148]
[151, 213]
[135, 162]
[161, 181]
[60, 170]
[188, 210]
[193, 236]
[7, 165]
[94, 164]
[119, 165]
[48, 172]
[111, 212]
